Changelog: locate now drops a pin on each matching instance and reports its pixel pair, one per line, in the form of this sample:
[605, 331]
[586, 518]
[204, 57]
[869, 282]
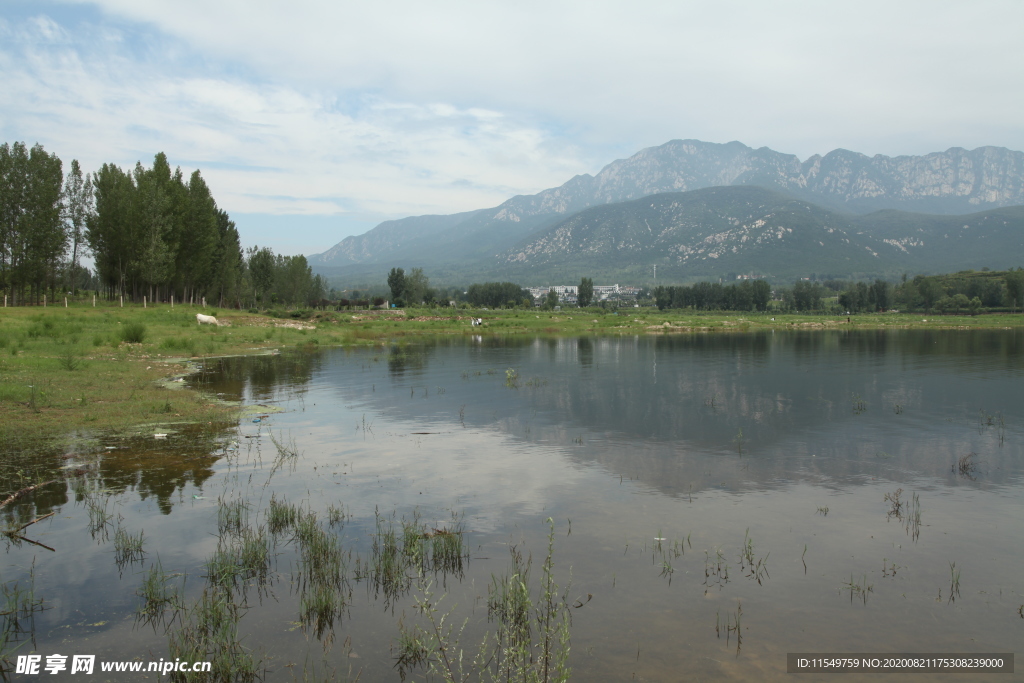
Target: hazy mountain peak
[956, 181]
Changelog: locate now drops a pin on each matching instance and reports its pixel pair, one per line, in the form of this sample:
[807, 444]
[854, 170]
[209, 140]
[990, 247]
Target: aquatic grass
[321, 560]
[222, 568]
[241, 557]
[287, 451]
[530, 640]
[18, 607]
[157, 594]
[280, 516]
[667, 570]
[319, 606]
[954, 582]
[912, 524]
[387, 571]
[100, 516]
[335, 516]
[732, 624]
[128, 547]
[716, 571]
[448, 551]
[209, 632]
[895, 504]
[415, 545]
[254, 554]
[747, 551]
[754, 569]
[966, 465]
[232, 516]
[324, 591]
[859, 588]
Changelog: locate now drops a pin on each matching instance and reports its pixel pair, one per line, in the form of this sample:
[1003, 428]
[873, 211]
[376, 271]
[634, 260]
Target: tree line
[152, 233]
[36, 222]
[748, 295]
[966, 291]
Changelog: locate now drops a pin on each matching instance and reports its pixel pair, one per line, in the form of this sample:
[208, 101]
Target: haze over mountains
[770, 214]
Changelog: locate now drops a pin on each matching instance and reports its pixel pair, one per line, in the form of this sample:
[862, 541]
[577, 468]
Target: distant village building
[567, 294]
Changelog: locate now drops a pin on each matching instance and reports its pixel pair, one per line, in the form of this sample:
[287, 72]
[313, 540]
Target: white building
[568, 293]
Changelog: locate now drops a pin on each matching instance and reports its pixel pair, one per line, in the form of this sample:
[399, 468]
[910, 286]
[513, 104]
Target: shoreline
[71, 370]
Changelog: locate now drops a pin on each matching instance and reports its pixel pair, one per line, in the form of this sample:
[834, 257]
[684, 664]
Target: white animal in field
[208, 319]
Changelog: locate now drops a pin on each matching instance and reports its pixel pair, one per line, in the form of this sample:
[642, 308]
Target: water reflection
[683, 413]
[727, 442]
[148, 467]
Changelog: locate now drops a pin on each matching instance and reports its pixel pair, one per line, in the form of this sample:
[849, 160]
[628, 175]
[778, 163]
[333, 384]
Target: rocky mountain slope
[952, 182]
[723, 231]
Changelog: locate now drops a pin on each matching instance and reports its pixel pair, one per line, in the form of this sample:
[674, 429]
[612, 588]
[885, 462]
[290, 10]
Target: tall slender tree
[79, 204]
[228, 263]
[261, 271]
[396, 282]
[585, 292]
[109, 229]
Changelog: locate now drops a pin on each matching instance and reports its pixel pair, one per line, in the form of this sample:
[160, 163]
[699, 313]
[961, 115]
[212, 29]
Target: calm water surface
[786, 442]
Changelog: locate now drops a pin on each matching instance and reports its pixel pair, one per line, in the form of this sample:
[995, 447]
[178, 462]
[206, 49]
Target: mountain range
[721, 209]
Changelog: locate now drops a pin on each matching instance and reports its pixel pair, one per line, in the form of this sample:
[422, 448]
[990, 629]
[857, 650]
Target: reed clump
[530, 640]
[157, 593]
[209, 632]
[966, 465]
[859, 588]
[128, 547]
[18, 607]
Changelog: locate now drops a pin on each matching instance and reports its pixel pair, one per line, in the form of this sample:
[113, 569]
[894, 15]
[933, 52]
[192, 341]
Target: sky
[314, 120]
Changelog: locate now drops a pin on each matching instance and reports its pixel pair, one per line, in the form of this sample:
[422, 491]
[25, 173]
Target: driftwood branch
[15, 534]
[37, 519]
[41, 545]
[28, 489]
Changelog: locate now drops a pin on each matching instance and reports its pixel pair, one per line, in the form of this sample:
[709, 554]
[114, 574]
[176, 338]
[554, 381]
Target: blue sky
[314, 120]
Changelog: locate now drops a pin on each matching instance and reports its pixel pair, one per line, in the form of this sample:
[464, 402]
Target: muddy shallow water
[761, 461]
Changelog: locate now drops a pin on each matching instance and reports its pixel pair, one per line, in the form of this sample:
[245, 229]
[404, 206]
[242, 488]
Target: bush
[133, 333]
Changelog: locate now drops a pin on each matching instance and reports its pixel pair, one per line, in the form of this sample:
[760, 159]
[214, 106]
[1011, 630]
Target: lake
[717, 501]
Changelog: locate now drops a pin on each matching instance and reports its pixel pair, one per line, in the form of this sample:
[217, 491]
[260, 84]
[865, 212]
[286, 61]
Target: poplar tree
[33, 239]
[108, 230]
[585, 292]
[79, 204]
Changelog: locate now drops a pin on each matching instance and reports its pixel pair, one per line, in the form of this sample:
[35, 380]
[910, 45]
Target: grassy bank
[112, 369]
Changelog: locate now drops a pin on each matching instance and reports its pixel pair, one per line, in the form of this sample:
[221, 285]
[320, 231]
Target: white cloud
[394, 108]
[766, 73]
[270, 147]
